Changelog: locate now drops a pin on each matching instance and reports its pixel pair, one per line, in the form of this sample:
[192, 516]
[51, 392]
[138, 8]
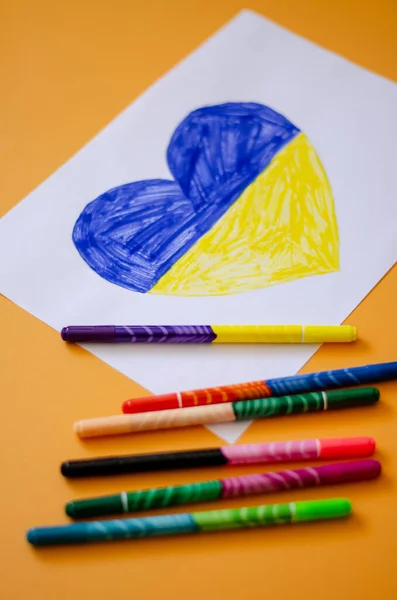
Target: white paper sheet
[350, 117]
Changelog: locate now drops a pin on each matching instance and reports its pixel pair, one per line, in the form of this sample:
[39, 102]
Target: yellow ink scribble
[283, 227]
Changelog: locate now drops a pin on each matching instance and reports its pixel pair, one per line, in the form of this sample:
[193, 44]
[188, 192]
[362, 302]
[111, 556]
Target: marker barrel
[143, 463]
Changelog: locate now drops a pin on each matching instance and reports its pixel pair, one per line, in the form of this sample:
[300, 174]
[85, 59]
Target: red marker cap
[346, 447]
[150, 403]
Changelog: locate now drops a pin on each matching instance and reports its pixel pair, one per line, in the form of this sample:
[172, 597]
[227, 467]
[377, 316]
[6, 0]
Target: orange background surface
[66, 69]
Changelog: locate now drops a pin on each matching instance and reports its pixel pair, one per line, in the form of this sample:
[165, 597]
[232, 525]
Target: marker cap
[88, 333]
[150, 403]
[346, 447]
[324, 509]
[318, 334]
[345, 472]
[351, 397]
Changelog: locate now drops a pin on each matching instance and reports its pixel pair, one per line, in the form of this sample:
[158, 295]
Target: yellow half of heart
[283, 227]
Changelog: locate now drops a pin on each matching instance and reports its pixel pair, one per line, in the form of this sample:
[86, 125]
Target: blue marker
[197, 522]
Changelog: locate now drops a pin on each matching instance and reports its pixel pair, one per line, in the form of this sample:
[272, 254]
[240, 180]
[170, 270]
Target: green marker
[252, 516]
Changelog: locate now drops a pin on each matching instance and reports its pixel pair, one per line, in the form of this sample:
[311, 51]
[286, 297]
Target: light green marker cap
[322, 509]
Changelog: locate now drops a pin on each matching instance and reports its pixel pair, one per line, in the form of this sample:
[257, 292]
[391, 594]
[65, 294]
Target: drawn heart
[250, 206]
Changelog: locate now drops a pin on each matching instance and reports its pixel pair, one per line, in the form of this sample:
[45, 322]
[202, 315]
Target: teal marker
[252, 516]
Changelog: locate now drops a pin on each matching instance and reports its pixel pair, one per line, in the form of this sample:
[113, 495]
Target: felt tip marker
[280, 386]
[197, 522]
[224, 413]
[236, 454]
[207, 334]
[221, 489]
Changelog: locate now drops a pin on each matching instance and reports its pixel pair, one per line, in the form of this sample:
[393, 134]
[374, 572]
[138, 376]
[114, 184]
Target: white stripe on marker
[124, 501]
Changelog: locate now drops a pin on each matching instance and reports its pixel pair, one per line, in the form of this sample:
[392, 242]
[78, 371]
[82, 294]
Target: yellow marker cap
[313, 334]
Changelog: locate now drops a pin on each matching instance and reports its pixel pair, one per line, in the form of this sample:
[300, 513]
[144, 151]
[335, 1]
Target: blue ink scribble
[133, 234]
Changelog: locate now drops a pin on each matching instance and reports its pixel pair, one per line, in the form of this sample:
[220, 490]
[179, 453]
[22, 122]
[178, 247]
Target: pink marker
[230, 487]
